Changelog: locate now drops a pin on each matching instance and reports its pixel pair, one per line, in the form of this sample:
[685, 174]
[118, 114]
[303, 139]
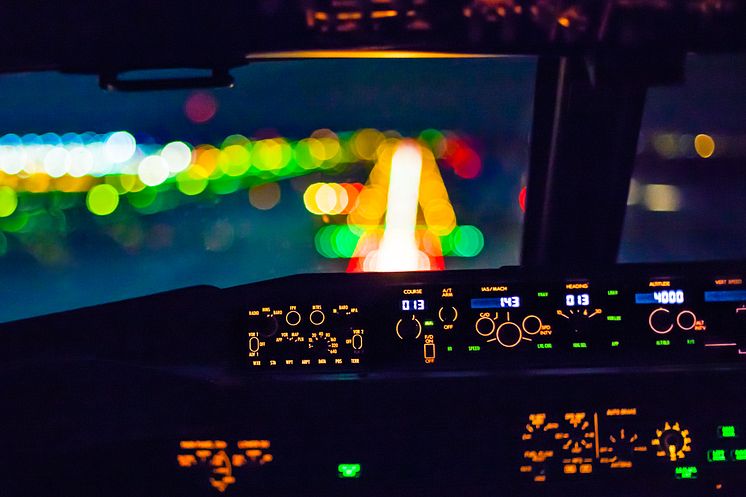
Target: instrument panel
[498, 320]
[628, 381]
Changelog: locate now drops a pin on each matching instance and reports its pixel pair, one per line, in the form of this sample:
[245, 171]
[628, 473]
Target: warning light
[347, 470]
[727, 431]
[716, 455]
[685, 472]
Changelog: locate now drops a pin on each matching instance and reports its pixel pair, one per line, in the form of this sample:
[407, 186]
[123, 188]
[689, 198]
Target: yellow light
[662, 198]
[364, 54]
[326, 198]
[309, 199]
[704, 145]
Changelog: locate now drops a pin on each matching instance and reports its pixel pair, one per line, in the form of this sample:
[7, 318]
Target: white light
[12, 159]
[153, 170]
[662, 198]
[57, 162]
[81, 162]
[398, 249]
[178, 155]
[119, 147]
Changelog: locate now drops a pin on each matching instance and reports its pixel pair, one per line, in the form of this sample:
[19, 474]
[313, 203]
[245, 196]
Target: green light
[579, 345]
[8, 201]
[429, 323]
[615, 343]
[727, 431]
[613, 292]
[344, 243]
[543, 294]
[324, 243]
[686, 472]
[348, 470]
[102, 199]
[716, 455]
[663, 343]
[474, 348]
[449, 348]
[690, 341]
[543, 345]
[739, 455]
[468, 241]
[189, 185]
[613, 318]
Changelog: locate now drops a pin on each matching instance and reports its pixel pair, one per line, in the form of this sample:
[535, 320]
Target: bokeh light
[102, 199]
[704, 145]
[200, 107]
[120, 147]
[8, 201]
[264, 197]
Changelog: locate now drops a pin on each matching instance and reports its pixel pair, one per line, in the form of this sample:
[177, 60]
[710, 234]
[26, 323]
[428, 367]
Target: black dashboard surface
[627, 381]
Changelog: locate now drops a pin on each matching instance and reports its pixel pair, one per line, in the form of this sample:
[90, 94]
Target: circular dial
[408, 328]
[322, 343]
[265, 325]
[508, 334]
[660, 321]
[485, 326]
[579, 433]
[293, 318]
[577, 320]
[672, 442]
[620, 448]
[447, 314]
[317, 317]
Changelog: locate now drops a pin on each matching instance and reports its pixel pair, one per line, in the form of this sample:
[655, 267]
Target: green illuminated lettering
[728, 431]
[615, 343]
[716, 455]
[543, 345]
[474, 348]
[449, 348]
[690, 341]
[685, 472]
[663, 343]
[348, 470]
[429, 323]
[613, 318]
[613, 292]
[739, 455]
[543, 294]
[579, 345]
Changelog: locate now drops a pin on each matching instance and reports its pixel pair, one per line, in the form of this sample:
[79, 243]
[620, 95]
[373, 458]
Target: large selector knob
[265, 325]
[408, 327]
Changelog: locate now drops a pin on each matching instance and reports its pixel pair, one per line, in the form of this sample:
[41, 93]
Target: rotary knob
[408, 328]
[265, 325]
[509, 334]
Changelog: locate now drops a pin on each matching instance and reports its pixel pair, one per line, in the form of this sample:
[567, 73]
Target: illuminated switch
[570, 469]
[727, 431]
[347, 470]
[716, 455]
[586, 468]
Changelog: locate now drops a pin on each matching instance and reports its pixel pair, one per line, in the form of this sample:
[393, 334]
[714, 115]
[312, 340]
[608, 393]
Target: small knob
[317, 317]
[293, 318]
[448, 314]
[659, 321]
[485, 326]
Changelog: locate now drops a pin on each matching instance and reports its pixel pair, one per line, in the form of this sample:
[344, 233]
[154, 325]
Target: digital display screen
[496, 302]
[726, 296]
[582, 300]
[660, 297]
[413, 305]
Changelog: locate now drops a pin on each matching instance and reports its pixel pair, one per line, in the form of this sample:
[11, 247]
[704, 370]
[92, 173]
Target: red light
[522, 199]
[200, 107]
